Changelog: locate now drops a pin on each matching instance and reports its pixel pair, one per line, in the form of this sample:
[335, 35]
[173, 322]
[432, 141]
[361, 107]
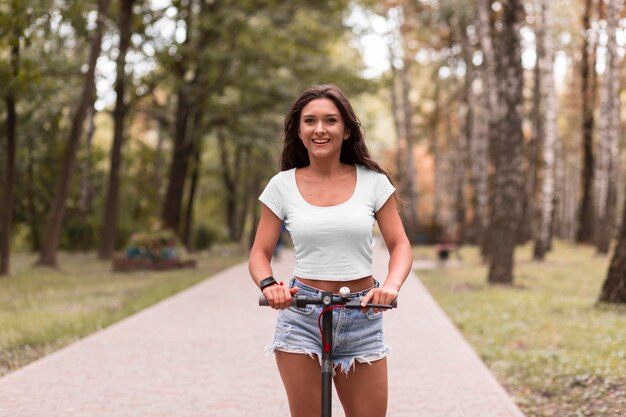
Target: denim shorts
[356, 336]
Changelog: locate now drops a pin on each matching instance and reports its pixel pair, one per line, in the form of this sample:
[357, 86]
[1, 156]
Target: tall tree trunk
[230, 177]
[608, 165]
[9, 175]
[614, 287]
[187, 238]
[31, 196]
[550, 134]
[459, 169]
[86, 192]
[397, 118]
[439, 186]
[490, 83]
[529, 205]
[409, 188]
[158, 158]
[54, 221]
[183, 143]
[588, 76]
[466, 133]
[559, 190]
[109, 218]
[507, 147]
[183, 147]
[479, 164]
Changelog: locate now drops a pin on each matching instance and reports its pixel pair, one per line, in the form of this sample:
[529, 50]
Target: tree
[506, 140]
[545, 61]
[409, 189]
[54, 221]
[588, 86]
[19, 23]
[236, 71]
[109, 218]
[492, 104]
[528, 226]
[11, 126]
[608, 146]
[475, 148]
[614, 287]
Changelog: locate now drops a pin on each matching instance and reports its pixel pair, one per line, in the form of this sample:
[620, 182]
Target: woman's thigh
[363, 391]
[302, 378]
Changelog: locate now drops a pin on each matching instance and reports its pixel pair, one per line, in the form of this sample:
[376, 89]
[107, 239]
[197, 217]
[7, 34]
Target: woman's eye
[309, 121]
[332, 120]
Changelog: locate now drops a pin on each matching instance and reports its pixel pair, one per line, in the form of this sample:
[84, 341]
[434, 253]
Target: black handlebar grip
[264, 303]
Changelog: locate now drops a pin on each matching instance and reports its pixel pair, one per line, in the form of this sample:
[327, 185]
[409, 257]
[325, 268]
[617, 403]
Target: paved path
[200, 354]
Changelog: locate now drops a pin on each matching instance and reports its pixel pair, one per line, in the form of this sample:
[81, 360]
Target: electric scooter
[329, 301]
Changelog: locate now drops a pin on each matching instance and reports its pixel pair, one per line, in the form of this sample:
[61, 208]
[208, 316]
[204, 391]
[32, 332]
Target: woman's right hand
[279, 296]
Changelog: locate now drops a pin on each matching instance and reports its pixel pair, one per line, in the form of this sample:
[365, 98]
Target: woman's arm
[261, 253]
[400, 254]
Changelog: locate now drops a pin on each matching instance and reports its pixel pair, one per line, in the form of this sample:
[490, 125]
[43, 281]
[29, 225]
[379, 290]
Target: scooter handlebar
[299, 301]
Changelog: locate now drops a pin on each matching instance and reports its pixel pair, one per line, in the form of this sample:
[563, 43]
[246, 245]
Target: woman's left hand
[381, 295]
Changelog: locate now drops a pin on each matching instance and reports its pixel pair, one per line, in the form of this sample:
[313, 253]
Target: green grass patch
[555, 349]
[44, 309]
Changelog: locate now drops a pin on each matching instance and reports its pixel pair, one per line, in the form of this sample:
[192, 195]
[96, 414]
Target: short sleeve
[383, 189]
[273, 198]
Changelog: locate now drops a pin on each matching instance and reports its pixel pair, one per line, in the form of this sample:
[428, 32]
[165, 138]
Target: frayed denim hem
[345, 364]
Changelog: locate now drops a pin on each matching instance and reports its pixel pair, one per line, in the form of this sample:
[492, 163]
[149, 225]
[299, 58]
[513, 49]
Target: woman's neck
[325, 169]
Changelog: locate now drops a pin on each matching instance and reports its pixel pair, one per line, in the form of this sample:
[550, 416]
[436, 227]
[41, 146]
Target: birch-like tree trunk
[608, 146]
[409, 189]
[479, 161]
[507, 143]
[396, 114]
[492, 105]
[476, 145]
[614, 287]
[550, 134]
[528, 226]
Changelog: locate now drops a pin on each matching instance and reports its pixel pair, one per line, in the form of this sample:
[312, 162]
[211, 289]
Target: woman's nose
[319, 127]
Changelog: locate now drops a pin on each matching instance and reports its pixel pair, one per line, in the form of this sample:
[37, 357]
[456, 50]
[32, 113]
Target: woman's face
[321, 129]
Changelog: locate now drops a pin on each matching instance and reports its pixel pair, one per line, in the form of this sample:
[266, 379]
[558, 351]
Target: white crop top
[330, 243]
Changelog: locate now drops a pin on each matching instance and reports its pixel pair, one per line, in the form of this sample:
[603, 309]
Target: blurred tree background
[500, 121]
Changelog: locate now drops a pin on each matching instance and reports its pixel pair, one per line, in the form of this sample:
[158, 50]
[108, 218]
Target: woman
[328, 194]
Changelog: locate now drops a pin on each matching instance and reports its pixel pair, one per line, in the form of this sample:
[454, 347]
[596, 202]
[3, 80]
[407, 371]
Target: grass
[554, 348]
[45, 309]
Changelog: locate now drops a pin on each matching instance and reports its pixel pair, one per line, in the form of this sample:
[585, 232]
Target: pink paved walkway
[200, 354]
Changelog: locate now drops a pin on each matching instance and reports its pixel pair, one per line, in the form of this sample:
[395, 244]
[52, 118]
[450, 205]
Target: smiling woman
[328, 195]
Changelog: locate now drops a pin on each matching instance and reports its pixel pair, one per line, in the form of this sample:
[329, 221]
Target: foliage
[242, 62]
[206, 236]
[155, 245]
[556, 350]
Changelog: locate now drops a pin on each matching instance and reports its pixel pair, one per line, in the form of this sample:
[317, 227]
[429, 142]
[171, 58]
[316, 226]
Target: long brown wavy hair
[353, 150]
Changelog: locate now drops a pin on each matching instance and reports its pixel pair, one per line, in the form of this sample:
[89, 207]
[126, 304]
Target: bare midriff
[355, 285]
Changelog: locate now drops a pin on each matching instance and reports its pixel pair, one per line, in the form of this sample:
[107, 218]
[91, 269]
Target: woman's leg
[302, 378]
[363, 391]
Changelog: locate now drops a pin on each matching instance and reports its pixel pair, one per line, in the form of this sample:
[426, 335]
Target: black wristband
[267, 282]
